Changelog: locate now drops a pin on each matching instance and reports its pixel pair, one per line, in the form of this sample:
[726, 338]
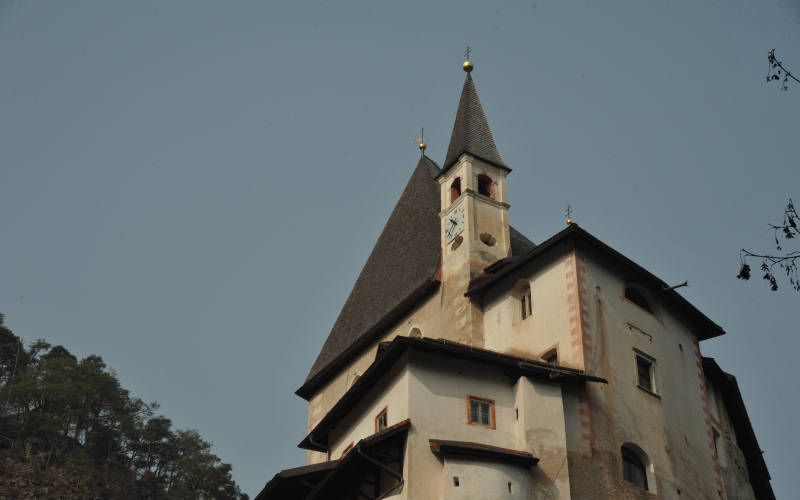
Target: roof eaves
[483, 451]
[294, 473]
[352, 455]
[453, 162]
[315, 440]
[307, 390]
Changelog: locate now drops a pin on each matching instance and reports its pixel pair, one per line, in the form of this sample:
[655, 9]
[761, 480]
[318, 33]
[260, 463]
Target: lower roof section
[360, 468]
[390, 352]
[481, 451]
[296, 483]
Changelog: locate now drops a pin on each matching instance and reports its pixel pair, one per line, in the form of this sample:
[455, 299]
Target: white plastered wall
[426, 317]
[486, 480]
[670, 425]
[549, 325]
[390, 393]
[438, 389]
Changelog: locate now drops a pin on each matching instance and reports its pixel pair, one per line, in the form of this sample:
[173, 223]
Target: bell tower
[474, 211]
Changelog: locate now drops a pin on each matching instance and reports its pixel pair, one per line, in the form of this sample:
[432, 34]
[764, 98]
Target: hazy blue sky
[189, 189]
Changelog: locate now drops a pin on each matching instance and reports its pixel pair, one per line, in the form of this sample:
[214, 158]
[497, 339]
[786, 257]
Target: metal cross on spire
[421, 140]
[568, 214]
[468, 52]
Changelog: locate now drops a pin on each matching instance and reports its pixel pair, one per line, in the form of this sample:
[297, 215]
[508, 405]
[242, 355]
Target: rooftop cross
[568, 214]
[421, 140]
[467, 66]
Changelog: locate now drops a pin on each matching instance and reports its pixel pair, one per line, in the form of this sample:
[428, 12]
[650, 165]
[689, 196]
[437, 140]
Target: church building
[469, 362]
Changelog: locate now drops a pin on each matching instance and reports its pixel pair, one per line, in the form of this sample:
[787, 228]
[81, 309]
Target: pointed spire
[471, 133]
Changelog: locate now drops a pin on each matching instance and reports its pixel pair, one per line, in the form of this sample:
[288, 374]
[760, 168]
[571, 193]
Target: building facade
[470, 363]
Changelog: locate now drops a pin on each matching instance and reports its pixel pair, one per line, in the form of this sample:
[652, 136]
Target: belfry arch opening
[485, 185]
[455, 189]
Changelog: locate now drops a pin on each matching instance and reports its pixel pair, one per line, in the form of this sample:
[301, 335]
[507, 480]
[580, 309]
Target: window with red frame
[381, 421]
[480, 411]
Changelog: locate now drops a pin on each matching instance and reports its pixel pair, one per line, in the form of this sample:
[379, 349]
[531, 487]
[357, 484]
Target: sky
[190, 188]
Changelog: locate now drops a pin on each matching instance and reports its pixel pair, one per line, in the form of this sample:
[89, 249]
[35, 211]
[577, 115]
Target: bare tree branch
[787, 261]
[778, 72]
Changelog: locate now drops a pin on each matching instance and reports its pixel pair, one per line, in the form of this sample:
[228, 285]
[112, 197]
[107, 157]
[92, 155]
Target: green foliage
[68, 428]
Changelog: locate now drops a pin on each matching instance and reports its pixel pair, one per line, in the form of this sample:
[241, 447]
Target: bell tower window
[485, 185]
[455, 189]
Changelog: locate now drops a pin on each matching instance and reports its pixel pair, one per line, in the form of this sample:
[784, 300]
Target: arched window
[455, 189]
[485, 185]
[634, 466]
[635, 294]
[415, 333]
[526, 307]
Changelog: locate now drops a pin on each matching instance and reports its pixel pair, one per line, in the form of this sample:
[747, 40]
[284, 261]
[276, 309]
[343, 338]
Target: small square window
[480, 411]
[644, 372]
[381, 420]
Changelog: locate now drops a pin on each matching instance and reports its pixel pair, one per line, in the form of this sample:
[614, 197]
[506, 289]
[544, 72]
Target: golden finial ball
[467, 66]
[569, 222]
[422, 146]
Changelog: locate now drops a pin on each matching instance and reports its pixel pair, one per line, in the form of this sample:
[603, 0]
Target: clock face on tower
[454, 223]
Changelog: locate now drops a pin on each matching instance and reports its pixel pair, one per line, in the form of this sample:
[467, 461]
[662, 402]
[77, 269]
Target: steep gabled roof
[404, 259]
[400, 271]
[471, 133]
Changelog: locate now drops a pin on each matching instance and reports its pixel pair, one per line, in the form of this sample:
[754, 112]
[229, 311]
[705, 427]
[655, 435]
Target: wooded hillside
[68, 428]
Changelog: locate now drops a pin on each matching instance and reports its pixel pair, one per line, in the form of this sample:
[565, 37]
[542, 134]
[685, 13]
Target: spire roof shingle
[471, 133]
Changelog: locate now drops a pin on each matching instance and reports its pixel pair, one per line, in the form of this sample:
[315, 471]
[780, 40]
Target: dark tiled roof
[405, 257]
[480, 450]
[296, 483]
[400, 270]
[324, 479]
[372, 456]
[745, 436]
[471, 133]
[519, 243]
